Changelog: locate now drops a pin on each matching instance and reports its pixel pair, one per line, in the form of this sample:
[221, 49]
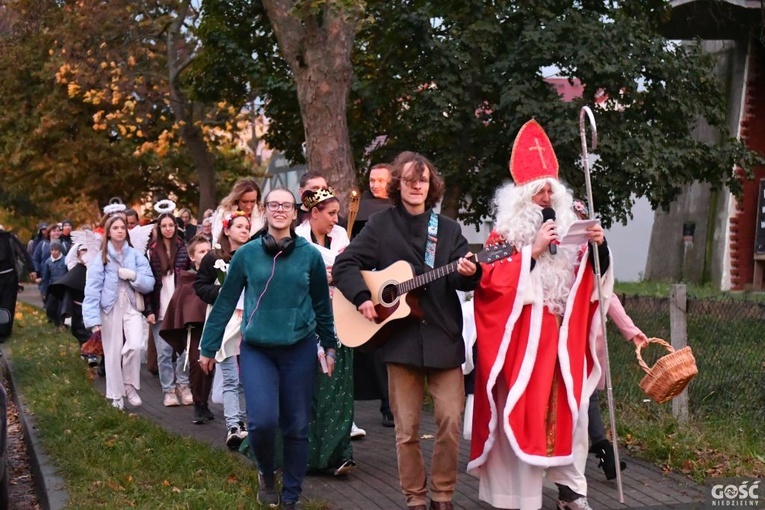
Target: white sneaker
[132, 395]
[184, 394]
[357, 433]
[577, 504]
[345, 468]
[171, 399]
[118, 404]
[234, 438]
[242, 434]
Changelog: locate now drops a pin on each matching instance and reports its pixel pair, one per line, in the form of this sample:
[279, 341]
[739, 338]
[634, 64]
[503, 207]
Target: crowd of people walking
[246, 298]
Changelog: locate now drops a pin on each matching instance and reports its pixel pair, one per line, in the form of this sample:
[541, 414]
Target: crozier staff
[536, 321]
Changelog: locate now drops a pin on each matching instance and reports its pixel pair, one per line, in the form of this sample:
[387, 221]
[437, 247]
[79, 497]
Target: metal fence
[727, 337]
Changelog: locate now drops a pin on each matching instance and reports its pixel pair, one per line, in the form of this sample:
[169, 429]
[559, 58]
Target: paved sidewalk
[374, 483]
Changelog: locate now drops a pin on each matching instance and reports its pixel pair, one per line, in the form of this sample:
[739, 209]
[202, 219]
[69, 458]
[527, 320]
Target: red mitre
[533, 156]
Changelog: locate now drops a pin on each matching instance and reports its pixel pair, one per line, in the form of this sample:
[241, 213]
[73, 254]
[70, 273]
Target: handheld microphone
[548, 213]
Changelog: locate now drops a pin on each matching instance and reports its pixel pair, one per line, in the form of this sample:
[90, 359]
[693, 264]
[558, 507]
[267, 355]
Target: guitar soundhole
[389, 295]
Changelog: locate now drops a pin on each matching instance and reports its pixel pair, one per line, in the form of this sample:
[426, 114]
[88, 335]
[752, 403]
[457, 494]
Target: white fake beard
[555, 273]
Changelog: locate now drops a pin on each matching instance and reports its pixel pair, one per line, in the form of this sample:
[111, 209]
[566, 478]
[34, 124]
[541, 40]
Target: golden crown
[318, 196]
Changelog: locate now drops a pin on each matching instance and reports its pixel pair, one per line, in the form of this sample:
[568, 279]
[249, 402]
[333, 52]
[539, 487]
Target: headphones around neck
[285, 246]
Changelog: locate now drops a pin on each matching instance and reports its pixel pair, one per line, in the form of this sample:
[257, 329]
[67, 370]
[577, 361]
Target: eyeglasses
[286, 206]
[414, 182]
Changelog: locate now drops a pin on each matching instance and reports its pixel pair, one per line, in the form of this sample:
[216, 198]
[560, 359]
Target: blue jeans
[167, 378]
[278, 386]
[233, 394]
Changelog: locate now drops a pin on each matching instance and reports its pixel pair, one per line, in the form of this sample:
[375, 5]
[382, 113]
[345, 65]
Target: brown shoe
[441, 505]
[416, 507]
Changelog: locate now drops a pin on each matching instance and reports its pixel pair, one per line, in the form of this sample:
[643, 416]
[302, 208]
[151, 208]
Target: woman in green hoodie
[286, 306]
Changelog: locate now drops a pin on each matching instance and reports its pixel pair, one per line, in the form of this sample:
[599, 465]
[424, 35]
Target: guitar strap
[430, 246]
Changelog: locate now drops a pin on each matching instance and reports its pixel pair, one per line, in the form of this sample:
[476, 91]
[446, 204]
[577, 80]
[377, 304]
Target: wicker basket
[670, 374]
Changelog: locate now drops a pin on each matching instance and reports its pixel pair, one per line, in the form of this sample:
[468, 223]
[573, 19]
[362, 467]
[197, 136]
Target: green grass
[701, 448]
[662, 289]
[723, 436]
[112, 459]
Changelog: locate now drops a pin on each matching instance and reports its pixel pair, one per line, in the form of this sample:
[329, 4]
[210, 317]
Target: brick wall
[743, 224]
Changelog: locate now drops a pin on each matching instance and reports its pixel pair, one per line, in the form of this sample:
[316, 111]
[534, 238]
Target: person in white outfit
[113, 279]
[245, 197]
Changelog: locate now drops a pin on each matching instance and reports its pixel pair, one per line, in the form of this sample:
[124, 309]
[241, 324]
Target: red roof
[570, 90]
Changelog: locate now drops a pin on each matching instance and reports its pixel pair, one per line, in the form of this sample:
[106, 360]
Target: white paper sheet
[578, 234]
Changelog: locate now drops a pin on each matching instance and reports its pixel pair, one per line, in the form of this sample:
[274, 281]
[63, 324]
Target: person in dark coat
[52, 269]
[370, 376]
[11, 251]
[69, 290]
[429, 348]
[189, 229]
[375, 199]
[40, 236]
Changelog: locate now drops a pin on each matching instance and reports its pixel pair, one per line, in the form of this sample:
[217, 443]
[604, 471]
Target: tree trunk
[204, 164]
[318, 48]
[183, 111]
[451, 201]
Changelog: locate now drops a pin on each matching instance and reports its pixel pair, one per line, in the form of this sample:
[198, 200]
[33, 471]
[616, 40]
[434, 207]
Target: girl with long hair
[244, 196]
[168, 257]
[109, 307]
[332, 416]
[212, 272]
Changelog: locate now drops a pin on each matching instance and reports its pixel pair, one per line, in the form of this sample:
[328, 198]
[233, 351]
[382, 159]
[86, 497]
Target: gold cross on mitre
[525, 166]
[538, 147]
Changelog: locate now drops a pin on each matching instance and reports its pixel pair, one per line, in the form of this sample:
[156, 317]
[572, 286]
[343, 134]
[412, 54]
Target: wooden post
[678, 309]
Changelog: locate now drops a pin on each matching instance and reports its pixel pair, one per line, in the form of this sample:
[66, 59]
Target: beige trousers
[122, 338]
[406, 388]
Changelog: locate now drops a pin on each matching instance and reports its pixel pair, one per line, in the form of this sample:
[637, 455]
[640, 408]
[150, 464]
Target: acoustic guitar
[394, 294]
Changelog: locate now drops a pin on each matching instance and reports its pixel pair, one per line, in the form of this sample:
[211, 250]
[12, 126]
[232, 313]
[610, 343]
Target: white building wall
[629, 243]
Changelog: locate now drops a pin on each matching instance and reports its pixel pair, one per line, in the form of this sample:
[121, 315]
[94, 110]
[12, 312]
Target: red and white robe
[535, 373]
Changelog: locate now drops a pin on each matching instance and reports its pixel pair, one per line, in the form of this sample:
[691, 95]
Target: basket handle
[650, 341]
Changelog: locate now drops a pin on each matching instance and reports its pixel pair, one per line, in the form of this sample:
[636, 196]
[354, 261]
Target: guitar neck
[426, 278]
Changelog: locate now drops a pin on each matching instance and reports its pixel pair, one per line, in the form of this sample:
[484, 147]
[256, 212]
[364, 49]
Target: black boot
[387, 419]
[604, 451]
[208, 414]
[199, 414]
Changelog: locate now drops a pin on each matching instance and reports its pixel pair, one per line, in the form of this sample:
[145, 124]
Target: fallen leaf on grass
[116, 487]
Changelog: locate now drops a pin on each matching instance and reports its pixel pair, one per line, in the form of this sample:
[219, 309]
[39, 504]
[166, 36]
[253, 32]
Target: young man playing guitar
[429, 347]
